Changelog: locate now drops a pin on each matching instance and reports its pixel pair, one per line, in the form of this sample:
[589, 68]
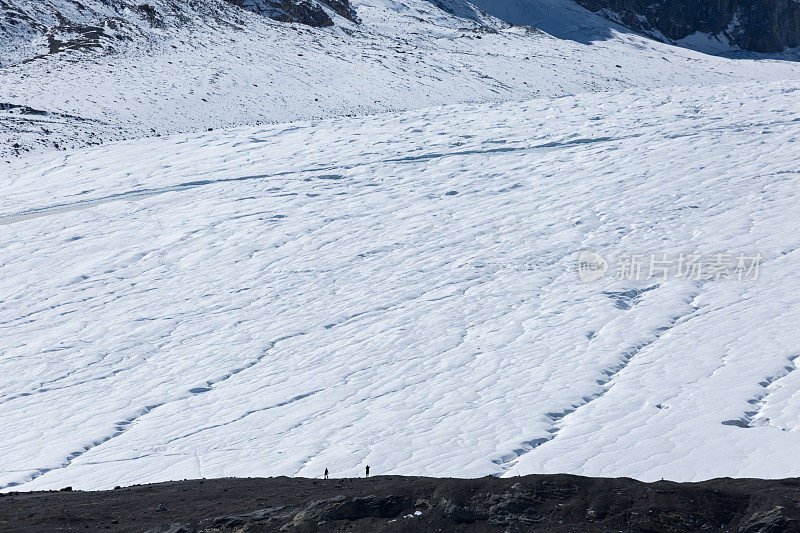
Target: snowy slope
[401, 291]
[222, 66]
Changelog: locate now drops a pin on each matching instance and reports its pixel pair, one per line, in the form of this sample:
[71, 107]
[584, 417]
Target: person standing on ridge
[367, 471]
[326, 473]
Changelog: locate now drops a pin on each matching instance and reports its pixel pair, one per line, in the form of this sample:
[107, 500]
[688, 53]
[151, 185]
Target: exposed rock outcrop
[756, 25]
[309, 12]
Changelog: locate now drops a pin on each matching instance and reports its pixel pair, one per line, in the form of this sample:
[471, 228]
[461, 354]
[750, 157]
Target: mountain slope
[33, 29]
[757, 25]
[215, 65]
[709, 26]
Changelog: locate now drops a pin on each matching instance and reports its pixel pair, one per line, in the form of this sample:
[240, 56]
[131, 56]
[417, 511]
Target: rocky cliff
[757, 25]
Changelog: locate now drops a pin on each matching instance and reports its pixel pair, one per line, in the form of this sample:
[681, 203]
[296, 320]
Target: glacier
[401, 290]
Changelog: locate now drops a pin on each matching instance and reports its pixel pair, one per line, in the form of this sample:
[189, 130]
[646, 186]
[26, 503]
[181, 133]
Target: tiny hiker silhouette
[326, 473]
[367, 470]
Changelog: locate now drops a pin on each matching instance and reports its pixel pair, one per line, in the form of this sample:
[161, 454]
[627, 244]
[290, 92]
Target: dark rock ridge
[551, 503]
[310, 12]
[756, 25]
